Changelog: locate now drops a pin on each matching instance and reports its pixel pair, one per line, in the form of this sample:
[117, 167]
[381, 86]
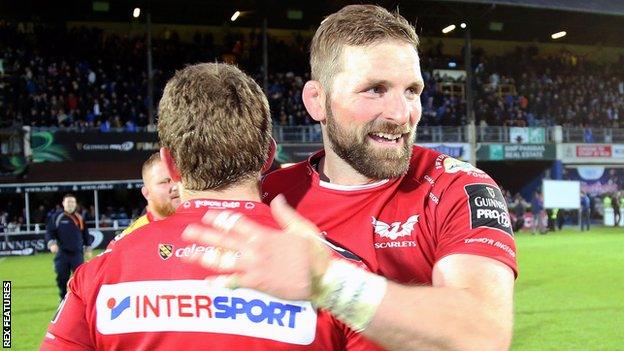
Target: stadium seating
[87, 78]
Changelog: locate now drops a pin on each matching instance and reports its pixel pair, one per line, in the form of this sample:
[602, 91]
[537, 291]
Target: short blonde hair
[152, 160]
[355, 25]
[216, 121]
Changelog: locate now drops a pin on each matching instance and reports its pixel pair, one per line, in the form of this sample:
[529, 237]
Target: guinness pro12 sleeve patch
[488, 208]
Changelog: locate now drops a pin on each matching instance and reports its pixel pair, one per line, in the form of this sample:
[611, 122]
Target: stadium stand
[85, 78]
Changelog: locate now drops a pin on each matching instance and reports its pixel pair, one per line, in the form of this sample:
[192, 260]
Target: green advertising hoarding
[501, 152]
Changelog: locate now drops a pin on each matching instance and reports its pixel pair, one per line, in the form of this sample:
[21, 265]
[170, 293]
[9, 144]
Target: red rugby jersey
[139, 295]
[401, 227]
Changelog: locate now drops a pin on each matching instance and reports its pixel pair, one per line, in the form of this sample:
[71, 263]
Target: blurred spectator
[606, 203]
[4, 221]
[615, 203]
[105, 221]
[585, 211]
[39, 215]
[561, 218]
[537, 209]
[519, 206]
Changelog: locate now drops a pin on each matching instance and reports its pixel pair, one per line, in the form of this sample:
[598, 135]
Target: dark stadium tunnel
[514, 175]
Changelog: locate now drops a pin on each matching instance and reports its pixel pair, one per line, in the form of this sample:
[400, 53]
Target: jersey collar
[149, 215]
[312, 166]
[203, 205]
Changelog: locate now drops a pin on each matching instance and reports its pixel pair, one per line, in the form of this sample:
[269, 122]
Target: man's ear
[145, 192]
[314, 96]
[167, 159]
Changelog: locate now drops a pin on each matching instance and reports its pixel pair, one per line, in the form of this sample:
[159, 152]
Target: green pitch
[568, 296]
[570, 293]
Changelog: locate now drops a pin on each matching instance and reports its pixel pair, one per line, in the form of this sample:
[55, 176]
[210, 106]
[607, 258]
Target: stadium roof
[605, 7]
[588, 22]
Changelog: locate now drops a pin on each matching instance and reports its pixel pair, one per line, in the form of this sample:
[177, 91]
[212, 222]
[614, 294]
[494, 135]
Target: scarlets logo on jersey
[193, 306]
[394, 231]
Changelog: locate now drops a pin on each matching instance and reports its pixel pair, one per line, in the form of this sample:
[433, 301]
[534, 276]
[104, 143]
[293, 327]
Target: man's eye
[412, 92]
[417, 90]
[376, 90]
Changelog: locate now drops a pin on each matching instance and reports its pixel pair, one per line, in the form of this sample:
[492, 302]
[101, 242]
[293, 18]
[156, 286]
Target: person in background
[67, 236]
[561, 217]
[615, 203]
[552, 216]
[585, 211]
[519, 207]
[39, 215]
[606, 204]
[621, 201]
[537, 209]
[160, 192]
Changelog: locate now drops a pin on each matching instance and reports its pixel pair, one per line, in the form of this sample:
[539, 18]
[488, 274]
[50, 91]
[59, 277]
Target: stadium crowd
[87, 78]
[562, 90]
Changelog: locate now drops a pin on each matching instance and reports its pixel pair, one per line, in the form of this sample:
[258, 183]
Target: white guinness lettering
[487, 202]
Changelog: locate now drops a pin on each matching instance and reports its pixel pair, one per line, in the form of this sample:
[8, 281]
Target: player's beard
[354, 147]
[164, 209]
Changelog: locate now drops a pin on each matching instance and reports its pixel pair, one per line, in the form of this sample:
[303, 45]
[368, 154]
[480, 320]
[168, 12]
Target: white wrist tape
[351, 294]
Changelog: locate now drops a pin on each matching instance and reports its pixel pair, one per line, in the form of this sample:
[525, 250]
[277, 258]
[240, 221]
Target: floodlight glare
[559, 35]
[448, 29]
[136, 13]
[235, 16]
[463, 25]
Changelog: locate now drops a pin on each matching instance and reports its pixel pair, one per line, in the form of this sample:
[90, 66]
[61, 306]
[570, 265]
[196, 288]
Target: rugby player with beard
[160, 192]
[434, 231]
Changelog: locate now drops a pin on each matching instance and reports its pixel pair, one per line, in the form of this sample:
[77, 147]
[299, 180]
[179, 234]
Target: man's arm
[87, 239]
[469, 306]
[51, 236]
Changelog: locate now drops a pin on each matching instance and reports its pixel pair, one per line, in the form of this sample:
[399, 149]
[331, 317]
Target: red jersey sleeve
[69, 329]
[472, 218]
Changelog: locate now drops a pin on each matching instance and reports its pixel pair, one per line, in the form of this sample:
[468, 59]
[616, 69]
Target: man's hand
[281, 263]
[54, 248]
